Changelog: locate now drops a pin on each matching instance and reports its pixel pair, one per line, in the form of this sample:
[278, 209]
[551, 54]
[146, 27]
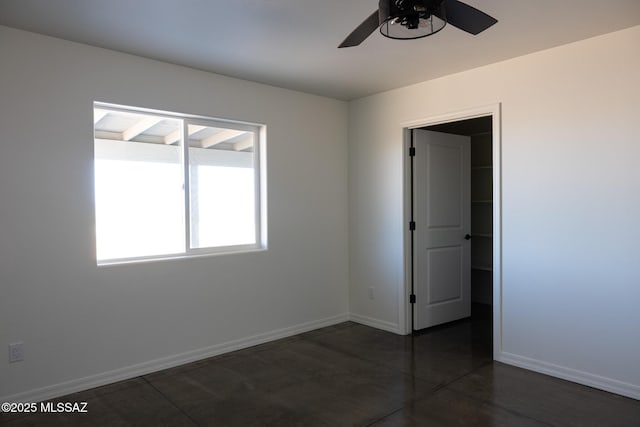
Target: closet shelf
[481, 167]
[481, 267]
[482, 201]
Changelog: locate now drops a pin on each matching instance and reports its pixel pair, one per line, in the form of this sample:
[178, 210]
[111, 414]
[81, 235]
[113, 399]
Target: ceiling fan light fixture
[414, 19]
[414, 22]
[394, 28]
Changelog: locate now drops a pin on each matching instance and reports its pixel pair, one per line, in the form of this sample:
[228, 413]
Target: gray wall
[83, 325]
[570, 204]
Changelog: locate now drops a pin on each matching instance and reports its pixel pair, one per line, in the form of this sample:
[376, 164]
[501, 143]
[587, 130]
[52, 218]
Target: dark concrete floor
[349, 375]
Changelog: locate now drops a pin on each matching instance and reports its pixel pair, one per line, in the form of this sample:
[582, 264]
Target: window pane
[138, 189]
[142, 209]
[222, 187]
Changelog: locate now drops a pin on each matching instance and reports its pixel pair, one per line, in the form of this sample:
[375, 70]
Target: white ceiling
[293, 43]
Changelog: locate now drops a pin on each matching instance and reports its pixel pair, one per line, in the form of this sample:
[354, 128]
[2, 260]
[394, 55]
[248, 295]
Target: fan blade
[363, 31]
[466, 17]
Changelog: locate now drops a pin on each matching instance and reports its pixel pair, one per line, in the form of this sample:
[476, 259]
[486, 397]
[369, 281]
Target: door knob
[467, 236]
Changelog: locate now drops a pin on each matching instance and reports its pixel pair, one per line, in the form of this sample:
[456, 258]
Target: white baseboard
[62, 389]
[375, 323]
[580, 377]
[73, 386]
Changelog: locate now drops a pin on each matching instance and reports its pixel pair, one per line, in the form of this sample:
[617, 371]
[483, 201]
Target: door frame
[493, 110]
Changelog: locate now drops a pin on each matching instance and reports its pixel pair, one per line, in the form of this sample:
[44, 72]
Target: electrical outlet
[371, 293]
[16, 352]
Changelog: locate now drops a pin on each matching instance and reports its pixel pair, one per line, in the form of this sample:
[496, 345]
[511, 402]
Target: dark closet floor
[349, 375]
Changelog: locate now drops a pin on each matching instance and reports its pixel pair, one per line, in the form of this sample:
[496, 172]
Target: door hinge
[412, 151]
[412, 298]
[412, 226]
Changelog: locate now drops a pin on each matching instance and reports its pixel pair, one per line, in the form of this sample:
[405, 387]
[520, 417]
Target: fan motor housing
[411, 19]
[391, 9]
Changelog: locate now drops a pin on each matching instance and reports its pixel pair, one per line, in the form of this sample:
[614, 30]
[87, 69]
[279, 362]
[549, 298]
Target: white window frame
[260, 183]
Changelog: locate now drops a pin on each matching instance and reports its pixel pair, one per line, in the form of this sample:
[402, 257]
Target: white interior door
[442, 213]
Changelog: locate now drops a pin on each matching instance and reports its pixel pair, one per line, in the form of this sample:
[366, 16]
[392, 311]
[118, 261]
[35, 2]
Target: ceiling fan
[413, 19]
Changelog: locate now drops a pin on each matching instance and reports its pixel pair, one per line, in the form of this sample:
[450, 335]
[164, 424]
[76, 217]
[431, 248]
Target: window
[169, 185]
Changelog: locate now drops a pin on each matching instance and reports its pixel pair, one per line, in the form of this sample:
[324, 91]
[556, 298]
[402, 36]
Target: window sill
[182, 256]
